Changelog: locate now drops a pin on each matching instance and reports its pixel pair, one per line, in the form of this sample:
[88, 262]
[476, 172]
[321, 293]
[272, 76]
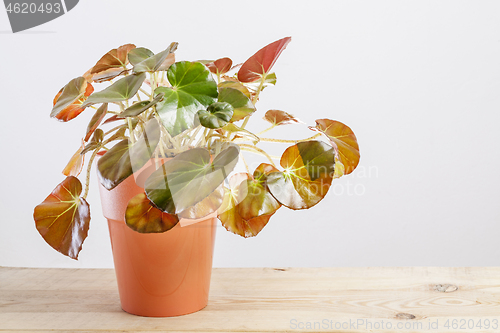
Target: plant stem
[89, 168]
[290, 141]
[245, 162]
[267, 129]
[262, 152]
[144, 92]
[112, 130]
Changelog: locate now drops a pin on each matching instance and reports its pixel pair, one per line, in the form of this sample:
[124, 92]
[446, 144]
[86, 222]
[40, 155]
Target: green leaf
[139, 107]
[95, 143]
[139, 54]
[248, 205]
[261, 62]
[217, 115]
[68, 102]
[125, 158]
[143, 217]
[63, 218]
[96, 120]
[154, 62]
[343, 140]
[206, 206]
[193, 89]
[235, 85]
[242, 133]
[242, 105]
[309, 170]
[121, 90]
[188, 178]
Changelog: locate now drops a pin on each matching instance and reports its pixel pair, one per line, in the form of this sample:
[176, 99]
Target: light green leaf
[121, 90]
[139, 107]
[154, 62]
[139, 54]
[242, 105]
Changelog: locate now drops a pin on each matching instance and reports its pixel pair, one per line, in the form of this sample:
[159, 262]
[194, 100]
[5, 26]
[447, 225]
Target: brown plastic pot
[158, 275]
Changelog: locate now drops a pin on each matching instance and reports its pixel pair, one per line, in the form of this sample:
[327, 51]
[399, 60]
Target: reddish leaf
[96, 120]
[63, 218]
[343, 140]
[75, 164]
[68, 102]
[220, 66]
[248, 205]
[277, 118]
[108, 74]
[262, 61]
[309, 170]
[111, 119]
[143, 217]
[115, 58]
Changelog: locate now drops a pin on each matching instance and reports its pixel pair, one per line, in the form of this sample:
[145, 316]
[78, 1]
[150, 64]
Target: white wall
[418, 82]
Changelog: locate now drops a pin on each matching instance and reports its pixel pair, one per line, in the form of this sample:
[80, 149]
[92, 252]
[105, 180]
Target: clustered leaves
[189, 118]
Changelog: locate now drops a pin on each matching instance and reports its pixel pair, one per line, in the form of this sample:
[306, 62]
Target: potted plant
[178, 130]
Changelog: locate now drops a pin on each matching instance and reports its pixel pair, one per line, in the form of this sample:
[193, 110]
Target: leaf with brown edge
[235, 85]
[309, 170]
[220, 66]
[63, 218]
[143, 217]
[343, 140]
[116, 58]
[75, 164]
[248, 206]
[96, 120]
[68, 102]
[277, 118]
[108, 74]
[261, 62]
[111, 119]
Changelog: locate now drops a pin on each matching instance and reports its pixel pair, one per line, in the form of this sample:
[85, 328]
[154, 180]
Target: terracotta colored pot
[159, 275]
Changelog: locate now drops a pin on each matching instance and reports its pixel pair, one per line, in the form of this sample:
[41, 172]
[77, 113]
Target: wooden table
[265, 300]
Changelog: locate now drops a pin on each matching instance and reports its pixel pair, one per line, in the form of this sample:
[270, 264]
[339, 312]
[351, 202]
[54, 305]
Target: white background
[418, 82]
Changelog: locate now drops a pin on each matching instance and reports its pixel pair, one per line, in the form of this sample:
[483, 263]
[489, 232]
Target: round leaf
[193, 89]
[125, 158]
[309, 170]
[143, 217]
[63, 218]
[248, 206]
[344, 141]
[220, 66]
[241, 104]
[217, 115]
[139, 54]
[262, 61]
[68, 102]
[188, 178]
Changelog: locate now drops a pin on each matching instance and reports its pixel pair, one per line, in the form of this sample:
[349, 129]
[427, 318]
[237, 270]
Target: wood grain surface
[405, 299]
